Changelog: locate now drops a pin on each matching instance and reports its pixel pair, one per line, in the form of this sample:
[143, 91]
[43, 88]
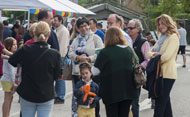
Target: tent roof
[58, 5]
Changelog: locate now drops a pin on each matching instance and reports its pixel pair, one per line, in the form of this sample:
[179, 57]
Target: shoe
[184, 66]
[58, 101]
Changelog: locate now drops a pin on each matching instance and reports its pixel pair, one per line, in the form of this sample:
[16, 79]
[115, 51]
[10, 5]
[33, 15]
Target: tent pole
[0, 15]
[28, 19]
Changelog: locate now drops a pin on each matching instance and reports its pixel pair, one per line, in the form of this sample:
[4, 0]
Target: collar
[87, 82]
[137, 38]
[42, 44]
[59, 28]
[86, 36]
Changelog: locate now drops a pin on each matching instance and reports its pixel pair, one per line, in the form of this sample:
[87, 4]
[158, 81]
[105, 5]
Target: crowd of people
[107, 74]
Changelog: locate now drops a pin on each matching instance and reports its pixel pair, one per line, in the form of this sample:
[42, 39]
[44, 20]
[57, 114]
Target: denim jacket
[80, 95]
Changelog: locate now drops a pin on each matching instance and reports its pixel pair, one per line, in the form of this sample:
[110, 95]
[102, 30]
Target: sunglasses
[131, 28]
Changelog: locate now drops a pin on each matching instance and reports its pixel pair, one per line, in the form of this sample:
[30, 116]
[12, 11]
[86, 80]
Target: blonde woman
[115, 67]
[31, 31]
[40, 68]
[166, 46]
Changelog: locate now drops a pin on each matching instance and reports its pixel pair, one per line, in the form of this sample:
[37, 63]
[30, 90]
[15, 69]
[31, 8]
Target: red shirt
[1, 48]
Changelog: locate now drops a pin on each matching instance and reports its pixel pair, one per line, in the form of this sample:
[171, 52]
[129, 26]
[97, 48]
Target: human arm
[5, 51]
[78, 90]
[64, 42]
[16, 58]
[94, 100]
[57, 69]
[145, 49]
[4, 56]
[172, 45]
[52, 40]
[97, 44]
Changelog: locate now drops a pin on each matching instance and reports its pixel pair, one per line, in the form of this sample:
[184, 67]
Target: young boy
[87, 107]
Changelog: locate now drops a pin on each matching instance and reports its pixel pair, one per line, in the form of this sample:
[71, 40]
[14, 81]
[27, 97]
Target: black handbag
[139, 76]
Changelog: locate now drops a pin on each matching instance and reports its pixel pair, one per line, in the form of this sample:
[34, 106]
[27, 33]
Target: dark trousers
[96, 79]
[162, 103]
[119, 109]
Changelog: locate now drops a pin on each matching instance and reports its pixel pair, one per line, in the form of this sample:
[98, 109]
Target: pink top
[145, 48]
[1, 48]
[29, 42]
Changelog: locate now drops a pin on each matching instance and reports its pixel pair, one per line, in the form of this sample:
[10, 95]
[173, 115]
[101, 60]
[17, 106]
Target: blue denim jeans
[29, 109]
[60, 86]
[135, 105]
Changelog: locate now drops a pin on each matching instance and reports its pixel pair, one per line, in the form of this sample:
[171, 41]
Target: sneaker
[184, 66]
[59, 101]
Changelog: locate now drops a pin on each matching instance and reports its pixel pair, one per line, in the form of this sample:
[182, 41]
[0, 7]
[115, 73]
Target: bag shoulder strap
[134, 57]
[41, 55]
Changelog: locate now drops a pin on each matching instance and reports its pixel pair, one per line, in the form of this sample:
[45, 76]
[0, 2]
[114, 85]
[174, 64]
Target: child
[87, 107]
[151, 43]
[8, 78]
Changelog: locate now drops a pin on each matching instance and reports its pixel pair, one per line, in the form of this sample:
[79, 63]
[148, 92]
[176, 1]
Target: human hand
[81, 89]
[157, 53]
[91, 99]
[60, 77]
[83, 58]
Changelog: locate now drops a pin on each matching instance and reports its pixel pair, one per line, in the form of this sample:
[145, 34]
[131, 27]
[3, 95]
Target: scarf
[82, 42]
[161, 40]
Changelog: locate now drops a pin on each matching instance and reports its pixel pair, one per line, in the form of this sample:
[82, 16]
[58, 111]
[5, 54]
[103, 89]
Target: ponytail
[42, 31]
[41, 37]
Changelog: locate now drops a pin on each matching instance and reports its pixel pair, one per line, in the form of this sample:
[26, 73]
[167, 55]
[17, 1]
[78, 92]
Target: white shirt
[63, 39]
[127, 37]
[9, 72]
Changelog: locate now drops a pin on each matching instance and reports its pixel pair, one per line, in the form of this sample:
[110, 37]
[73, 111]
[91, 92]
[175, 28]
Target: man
[6, 31]
[183, 42]
[93, 27]
[125, 27]
[47, 16]
[63, 39]
[116, 20]
[100, 27]
[141, 48]
[73, 25]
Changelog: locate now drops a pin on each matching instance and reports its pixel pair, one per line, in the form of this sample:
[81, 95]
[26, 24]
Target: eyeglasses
[131, 28]
[83, 26]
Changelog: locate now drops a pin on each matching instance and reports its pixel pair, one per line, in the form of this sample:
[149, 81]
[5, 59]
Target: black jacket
[153, 85]
[137, 47]
[40, 67]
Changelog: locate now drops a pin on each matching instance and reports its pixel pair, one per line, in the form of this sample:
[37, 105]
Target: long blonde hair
[114, 36]
[42, 31]
[168, 22]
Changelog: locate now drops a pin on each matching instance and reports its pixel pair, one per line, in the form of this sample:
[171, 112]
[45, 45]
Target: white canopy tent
[58, 5]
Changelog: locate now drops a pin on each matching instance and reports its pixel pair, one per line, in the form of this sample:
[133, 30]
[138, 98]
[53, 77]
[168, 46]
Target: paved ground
[179, 96]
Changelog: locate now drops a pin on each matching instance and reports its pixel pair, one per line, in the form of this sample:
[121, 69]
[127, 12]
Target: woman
[82, 49]
[40, 67]
[32, 40]
[166, 46]
[15, 32]
[115, 65]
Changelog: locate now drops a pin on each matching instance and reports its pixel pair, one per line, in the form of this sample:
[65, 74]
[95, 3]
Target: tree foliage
[178, 9]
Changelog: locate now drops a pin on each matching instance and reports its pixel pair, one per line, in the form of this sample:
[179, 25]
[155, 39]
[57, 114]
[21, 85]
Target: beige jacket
[63, 39]
[92, 43]
[169, 51]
